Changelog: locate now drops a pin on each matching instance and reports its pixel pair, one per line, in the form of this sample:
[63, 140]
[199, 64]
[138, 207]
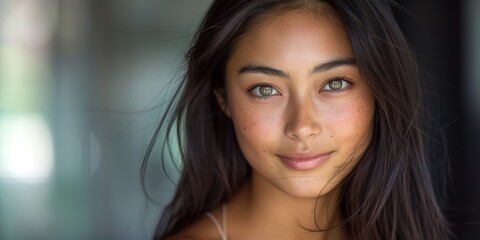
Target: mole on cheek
[361, 109]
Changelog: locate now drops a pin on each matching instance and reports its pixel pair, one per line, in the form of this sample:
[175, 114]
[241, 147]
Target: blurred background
[81, 87]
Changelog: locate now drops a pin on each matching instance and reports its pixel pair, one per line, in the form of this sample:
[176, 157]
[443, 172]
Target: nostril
[302, 128]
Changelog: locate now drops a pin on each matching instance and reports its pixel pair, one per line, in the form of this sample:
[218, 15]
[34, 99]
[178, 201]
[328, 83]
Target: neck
[265, 210]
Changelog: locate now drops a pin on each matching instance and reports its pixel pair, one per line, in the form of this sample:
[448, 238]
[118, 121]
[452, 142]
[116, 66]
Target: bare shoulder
[202, 229]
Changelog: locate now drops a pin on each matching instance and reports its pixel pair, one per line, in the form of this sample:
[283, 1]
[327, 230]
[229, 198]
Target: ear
[220, 95]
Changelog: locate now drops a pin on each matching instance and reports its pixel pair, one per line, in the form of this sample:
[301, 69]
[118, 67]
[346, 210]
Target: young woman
[298, 119]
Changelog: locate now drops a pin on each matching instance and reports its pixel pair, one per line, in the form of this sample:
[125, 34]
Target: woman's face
[300, 109]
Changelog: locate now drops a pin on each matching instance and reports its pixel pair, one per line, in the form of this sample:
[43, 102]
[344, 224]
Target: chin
[307, 188]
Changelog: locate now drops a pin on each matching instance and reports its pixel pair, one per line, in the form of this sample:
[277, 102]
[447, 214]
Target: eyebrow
[258, 68]
[333, 64]
[323, 67]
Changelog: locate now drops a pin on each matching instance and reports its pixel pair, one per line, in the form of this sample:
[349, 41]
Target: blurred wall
[80, 86]
[27, 165]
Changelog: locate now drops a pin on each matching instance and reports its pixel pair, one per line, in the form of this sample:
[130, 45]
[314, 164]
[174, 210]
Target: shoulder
[202, 229]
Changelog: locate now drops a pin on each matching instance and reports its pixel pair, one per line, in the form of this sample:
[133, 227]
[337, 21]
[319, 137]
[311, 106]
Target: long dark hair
[388, 195]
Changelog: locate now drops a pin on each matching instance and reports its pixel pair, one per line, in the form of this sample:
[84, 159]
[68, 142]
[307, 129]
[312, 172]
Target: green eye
[264, 91]
[336, 85]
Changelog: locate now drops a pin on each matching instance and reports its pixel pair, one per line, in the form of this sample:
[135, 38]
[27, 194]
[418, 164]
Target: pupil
[335, 84]
[265, 91]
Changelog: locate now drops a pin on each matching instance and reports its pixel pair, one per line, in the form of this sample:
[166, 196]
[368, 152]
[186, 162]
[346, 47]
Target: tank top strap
[222, 229]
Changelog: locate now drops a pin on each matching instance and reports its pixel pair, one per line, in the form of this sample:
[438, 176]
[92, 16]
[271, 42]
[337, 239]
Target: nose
[303, 119]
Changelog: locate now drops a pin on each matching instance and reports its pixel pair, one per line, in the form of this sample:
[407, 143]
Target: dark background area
[440, 34]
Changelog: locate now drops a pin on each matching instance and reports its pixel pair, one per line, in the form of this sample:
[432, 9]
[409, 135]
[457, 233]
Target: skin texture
[302, 117]
[311, 114]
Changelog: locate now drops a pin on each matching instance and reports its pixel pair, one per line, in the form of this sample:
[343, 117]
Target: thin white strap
[222, 230]
[224, 221]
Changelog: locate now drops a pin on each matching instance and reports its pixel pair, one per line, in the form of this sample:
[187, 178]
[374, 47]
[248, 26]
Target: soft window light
[26, 149]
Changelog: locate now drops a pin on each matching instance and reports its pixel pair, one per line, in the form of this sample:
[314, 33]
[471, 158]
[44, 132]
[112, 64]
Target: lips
[304, 162]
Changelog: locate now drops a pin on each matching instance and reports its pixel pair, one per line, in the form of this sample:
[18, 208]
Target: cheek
[351, 122]
[256, 128]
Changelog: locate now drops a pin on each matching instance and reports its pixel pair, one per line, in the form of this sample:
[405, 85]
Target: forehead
[295, 33]
[319, 10]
